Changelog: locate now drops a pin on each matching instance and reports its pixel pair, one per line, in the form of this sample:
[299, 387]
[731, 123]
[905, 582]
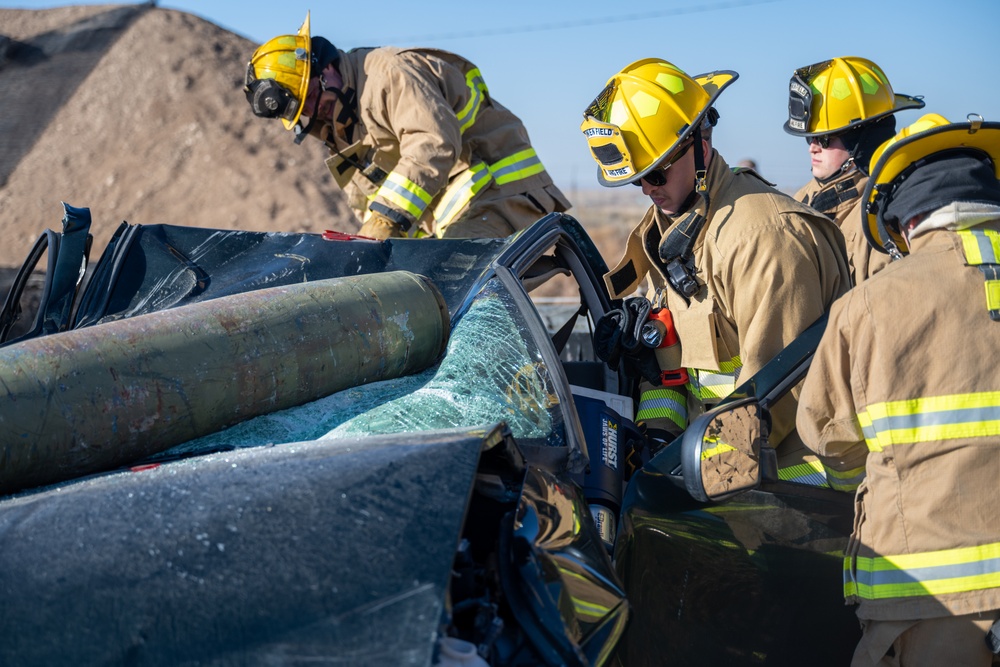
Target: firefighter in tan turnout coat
[845, 109]
[417, 143]
[758, 270]
[906, 373]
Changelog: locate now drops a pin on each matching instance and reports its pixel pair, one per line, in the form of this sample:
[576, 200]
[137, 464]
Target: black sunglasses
[823, 140]
[657, 177]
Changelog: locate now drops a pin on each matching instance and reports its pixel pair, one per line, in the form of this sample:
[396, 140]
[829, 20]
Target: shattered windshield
[492, 371]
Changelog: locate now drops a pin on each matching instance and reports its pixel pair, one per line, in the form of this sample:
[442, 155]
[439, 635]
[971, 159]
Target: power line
[566, 25]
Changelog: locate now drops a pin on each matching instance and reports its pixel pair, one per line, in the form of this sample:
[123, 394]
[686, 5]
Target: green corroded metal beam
[93, 399]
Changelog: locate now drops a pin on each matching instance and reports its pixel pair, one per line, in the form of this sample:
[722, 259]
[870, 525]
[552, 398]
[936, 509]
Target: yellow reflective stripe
[871, 437]
[993, 294]
[715, 449]
[982, 246]
[517, 166]
[931, 419]
[464, 187]
[663, 404]
[477, 88]
[844, 480]
[808, 472]
[708, 385]
[404, 194]
[928, 573]
[460, 192]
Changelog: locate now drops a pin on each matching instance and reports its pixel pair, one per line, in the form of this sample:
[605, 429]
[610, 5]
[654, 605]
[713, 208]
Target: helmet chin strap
[347, 117]
[700, 172]
[302, 132]
[677, 249]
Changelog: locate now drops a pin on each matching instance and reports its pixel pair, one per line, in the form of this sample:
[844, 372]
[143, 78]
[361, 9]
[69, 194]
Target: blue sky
[547, 60]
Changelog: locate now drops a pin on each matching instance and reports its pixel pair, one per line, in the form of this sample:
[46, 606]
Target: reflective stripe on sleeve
[477, 88]
[663, 404]
[517, 166]
[460, 192]
[404, 194]
[711, 385]
[845, 480]
[464, 187]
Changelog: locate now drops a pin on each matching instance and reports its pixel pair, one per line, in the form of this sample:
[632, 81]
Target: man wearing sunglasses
[416, 142]
[844, 108]
[742, 268]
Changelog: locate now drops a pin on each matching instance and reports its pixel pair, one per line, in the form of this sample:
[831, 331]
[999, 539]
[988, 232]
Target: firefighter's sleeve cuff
[399, 218]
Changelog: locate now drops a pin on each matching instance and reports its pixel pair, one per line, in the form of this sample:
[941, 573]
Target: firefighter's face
[321, 88]
[827, 161]
[679, 177]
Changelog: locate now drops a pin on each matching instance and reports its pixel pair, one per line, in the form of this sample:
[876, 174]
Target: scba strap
[982, 248]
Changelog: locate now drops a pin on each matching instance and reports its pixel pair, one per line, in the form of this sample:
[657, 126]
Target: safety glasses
[658, 176]
[823, 140]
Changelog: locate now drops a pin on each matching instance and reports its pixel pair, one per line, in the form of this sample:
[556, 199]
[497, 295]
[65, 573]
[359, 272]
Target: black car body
[365, 527]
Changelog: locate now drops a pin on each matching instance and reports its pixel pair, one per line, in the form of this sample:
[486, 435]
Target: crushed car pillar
[96, 398]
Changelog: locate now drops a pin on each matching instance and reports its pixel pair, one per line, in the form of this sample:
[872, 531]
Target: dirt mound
[137, 112]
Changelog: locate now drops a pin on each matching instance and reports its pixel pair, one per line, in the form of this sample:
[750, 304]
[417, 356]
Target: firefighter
[905, 373]
[742, 268]
[416, 142]
[845, 108]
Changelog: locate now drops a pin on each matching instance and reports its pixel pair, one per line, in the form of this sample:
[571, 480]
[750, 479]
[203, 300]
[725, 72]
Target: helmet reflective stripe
[982, 246]
[919, 574]
[663, 404]
[809, 472]
[952, 417]
[405, 194]
[477, 86]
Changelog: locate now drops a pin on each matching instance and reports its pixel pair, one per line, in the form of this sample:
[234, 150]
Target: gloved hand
[617, 340]
[380, 227]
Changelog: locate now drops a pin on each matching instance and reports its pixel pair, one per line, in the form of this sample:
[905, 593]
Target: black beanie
[324, 53]
[962, 175]
[864, 140]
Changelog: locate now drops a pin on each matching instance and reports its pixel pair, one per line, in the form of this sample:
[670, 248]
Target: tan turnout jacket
[906, 374]
[443, 150]
[840, 199]
[768, 267]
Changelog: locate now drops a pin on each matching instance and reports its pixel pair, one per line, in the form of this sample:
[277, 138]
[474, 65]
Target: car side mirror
[721, 451]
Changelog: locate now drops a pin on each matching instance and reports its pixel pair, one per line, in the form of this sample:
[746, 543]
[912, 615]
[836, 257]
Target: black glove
[617, 340]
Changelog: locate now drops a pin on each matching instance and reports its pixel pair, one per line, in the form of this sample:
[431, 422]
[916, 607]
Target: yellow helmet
[644, 113]
[285, 60]
[897, 158]
[838, 94]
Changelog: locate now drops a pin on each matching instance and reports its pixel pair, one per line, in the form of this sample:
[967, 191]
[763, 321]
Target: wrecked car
[495, 506]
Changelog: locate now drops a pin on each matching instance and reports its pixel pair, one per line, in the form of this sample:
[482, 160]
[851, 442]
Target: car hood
[263, 555]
